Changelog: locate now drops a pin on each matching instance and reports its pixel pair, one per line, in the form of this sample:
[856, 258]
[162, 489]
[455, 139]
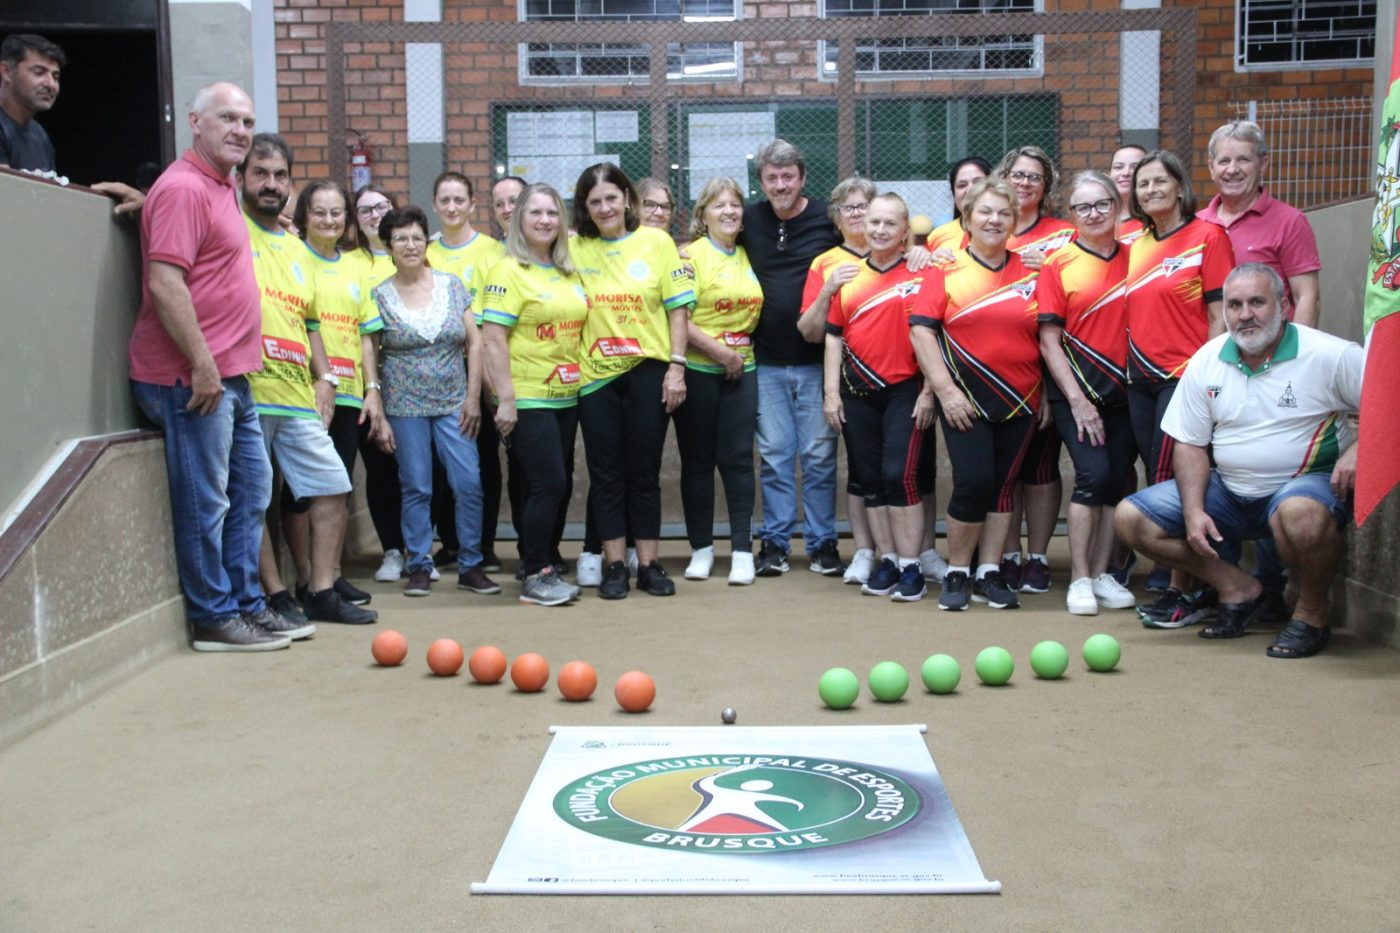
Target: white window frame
[1035, 71]
[524, 77]
[1243, 66]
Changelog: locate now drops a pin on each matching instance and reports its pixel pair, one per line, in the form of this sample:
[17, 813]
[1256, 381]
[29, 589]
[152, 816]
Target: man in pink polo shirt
[196, 338]
[1261, 229]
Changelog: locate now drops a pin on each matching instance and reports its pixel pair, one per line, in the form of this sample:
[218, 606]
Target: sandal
[1299, 640]
[1231, 619]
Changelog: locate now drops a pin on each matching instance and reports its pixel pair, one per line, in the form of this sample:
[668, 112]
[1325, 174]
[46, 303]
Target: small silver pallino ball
[728, 716]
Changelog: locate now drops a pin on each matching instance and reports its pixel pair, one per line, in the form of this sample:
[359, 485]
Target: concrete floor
[1200, 787]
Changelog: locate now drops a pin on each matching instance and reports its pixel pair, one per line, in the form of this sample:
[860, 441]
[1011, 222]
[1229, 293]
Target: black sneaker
[615, 584]
[273, 621]
[490, 563]
[350, 593]
[303, 592]
[1035, 577]
[235, 634]
[330, 606]
[1011, 573]
[444, 556]
[286, 607]
[477, 581]
[652, 579]
[911, 587]
[772, 560]
[954, 595]
[883, 580]
[827, 560]
[992, 590]
[1161, 612]
[560, 565]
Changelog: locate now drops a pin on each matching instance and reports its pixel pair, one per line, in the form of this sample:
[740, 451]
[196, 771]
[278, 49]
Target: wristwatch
[332, 378]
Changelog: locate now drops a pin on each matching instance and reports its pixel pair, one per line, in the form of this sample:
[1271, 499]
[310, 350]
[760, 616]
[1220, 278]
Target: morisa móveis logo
[738, 804]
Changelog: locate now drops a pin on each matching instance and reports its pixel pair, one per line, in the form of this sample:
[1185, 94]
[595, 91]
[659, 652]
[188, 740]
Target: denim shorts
[305, 455]
[1236, 517]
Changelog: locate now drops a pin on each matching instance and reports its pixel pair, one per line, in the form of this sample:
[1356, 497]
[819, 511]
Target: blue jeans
[791, 427]
[414, 439]
[220, 485]
[1237, 518]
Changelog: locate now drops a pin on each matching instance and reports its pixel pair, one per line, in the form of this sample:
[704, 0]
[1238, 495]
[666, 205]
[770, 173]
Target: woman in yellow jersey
[632, 368]
[345, 329]
[533, 306]
[1038, 233]
[658, 205]
[716, 426]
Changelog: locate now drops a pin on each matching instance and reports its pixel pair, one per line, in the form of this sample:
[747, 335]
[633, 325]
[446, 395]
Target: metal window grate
[1319, 150]
[1298, 32]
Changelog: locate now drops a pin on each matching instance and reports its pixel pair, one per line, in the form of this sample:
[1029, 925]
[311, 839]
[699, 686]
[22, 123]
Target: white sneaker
[933, 566]
[1111, 594]
[391, 568]
[632, 562]
[589, 570]
[434, 575]
[1080, 600]
[740, 568]
[859, 570]
[702, 561]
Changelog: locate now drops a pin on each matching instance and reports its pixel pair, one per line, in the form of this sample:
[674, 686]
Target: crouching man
[1269, 401]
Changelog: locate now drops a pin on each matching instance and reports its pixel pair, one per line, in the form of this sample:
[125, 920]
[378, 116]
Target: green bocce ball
[994, 666]
[1101, 652]
[1049, 660]
[888, 681]
[839, 688]
[941, 673]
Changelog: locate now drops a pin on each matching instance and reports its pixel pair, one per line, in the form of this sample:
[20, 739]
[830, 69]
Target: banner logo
[284, 351]
[738, 804]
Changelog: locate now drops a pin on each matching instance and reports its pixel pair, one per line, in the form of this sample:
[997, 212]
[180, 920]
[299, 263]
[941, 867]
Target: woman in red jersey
[1084, 340]
[977, 341]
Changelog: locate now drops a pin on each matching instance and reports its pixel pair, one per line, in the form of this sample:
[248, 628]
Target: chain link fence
[895, 90]
[1319, 148]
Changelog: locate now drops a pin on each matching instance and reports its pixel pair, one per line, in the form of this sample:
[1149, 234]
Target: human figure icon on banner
[735, 809]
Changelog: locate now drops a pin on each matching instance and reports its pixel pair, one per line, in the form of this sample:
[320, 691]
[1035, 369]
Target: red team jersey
[1047, 233]
[947, 236]
[988, 334]
[822, 267]
[871, 315]
[1170, 282]
[1129, 230]
[1084, 294]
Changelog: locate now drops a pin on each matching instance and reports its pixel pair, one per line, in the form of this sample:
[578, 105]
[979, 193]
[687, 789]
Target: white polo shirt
[1267, 426]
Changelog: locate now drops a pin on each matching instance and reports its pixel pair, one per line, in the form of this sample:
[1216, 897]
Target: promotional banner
[731, 810]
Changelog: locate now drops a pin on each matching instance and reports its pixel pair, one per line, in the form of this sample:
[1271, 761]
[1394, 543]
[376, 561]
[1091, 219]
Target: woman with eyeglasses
[658, 206]
[430, 401]
[976, 337]
[715, 428]
[1176, 281]
[1038, 234]
[1084, 340]
[632, 369]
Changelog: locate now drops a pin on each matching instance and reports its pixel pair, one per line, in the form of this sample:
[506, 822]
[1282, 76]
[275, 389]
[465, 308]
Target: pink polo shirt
[1272, 232]
[191, 219]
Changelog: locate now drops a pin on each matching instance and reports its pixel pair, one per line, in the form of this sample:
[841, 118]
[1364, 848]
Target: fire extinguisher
[361, 164]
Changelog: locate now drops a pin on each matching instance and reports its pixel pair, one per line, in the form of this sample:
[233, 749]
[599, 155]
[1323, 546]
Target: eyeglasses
[1097, 207]
[656, 207]
[369, 210]
[782, 236]
[852, 209]
[408, 239]
[1034, 178]
[336, 214]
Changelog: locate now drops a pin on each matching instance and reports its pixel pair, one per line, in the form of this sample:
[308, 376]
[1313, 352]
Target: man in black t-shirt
[29, 68]
[782, 235]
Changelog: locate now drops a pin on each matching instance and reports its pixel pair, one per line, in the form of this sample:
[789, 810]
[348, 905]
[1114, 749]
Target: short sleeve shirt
[1046, 234]
[1271, 232]
[1266, 426]
[781, 252]
[192, 219]
[1083, 293]
[821, 269]
[544, 312]
[870, 314]
[469, 262]
[947, 236]
[423, 373]
[633, 283]
[728, 301]
[988, 334]
[25, 147]
[345, 316]
[283, 386]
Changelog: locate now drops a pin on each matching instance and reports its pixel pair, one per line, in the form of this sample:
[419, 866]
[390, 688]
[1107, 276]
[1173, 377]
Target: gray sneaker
[273, 621]
[993, 590]
[235, 634]
[547, 589]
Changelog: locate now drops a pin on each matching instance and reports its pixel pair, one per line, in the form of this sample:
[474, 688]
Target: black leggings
[624, 430]
[1100, 473]
[986, 460]
[715, 428]
[884, 444]
[382, 493]
[1147, 403]
[543, 447]
[1042, 463]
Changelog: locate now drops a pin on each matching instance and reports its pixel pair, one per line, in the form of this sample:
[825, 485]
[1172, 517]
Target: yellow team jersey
[469, 262]
[284, 385]
[544, 312]
[728, 299]
[341, 307]
[632, 283]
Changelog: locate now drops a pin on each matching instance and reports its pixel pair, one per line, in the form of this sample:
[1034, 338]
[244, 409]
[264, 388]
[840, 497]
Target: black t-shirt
[24, 147]
[783, 273]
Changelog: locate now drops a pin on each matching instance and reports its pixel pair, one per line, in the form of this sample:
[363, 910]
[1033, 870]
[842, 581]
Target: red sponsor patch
[285, 351]
[342, 367]
[724, 304]
[566, 374]
[616, 346]
[736, 340]
[544, 332]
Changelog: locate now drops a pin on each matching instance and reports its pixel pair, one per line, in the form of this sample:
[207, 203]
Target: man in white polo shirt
[1268, 401]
